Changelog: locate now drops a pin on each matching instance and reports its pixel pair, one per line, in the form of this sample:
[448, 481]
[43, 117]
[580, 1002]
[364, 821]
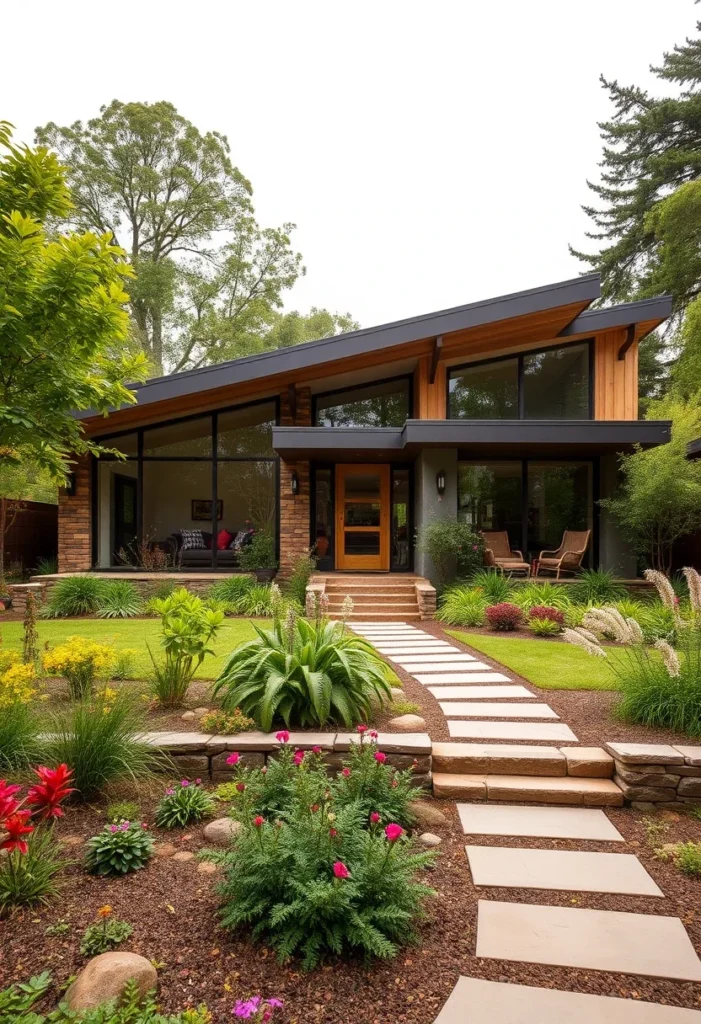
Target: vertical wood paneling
[615, 380]
[429, 401]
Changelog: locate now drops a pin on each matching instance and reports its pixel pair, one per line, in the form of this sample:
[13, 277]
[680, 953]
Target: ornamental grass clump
[462, 606]
[660, 685]
[304, 673]
[74, 595]
[81, 662]
[119, 600]
[119, 849]
[19, 725]
[182, 804]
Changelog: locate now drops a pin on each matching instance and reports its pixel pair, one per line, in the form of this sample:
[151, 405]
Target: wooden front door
[362, 517]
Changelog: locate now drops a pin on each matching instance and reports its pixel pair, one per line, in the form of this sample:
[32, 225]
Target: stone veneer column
[74, 526]
[294, 509]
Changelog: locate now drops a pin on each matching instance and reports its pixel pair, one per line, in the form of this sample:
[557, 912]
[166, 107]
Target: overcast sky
[430, 153]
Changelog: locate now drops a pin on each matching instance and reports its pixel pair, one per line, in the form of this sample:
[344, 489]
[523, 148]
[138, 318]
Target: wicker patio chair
[568, 557]
[499, 555]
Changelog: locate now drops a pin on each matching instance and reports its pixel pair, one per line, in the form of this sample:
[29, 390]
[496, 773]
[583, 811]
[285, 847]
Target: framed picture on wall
[202, 510]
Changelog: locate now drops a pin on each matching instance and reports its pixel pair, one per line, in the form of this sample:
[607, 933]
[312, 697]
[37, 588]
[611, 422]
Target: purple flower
[198, 782]
[170, 791]
[113, 828]
[246, 1007]
[124, 826]
[184, 783]
[277, 1004]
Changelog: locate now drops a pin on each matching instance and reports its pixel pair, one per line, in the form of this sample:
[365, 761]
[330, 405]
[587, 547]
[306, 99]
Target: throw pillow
[224, 539]
[192, 539]
[238, 540]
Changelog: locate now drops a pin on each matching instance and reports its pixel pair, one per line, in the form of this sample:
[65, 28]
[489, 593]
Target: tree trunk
[157, 338]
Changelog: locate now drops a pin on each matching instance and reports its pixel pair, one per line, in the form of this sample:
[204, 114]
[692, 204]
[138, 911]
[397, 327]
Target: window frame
[520, 357]
[213, 459]
[408, 378]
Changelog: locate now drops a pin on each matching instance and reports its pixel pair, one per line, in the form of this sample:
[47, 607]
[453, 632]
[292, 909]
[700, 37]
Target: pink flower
[393, 832]
[258, 821]
[198, 782]
[394, 783]
[264, 770]
[240, 786]
[373, 734]
[184, 783]
[144, 824]
[316, 750]
[233, 759]
[283, 736]
[374, 817]
[362, 729]
[113, 828]
[333, 833]
[346, 772]
[170, 791]
[277, 1004]
[299, 757]
[340, 870]
[379, 756]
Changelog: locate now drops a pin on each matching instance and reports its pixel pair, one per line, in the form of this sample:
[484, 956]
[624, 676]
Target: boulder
[221, 831]
[397, 694]
[201, 711]
[426, 813]
[106, 975]
[407, 723]
[188, 716]
[430, 839]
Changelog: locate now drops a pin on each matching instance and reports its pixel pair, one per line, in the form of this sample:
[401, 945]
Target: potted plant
[258, 556]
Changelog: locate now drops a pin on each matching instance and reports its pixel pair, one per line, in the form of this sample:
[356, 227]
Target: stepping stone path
[517, 769]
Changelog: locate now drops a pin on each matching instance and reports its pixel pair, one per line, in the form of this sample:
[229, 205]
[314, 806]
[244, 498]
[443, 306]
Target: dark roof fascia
[591, 321]
[344, 346]
[693, 449]
[337, 439]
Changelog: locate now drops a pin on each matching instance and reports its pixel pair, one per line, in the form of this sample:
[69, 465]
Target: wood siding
[615, 380]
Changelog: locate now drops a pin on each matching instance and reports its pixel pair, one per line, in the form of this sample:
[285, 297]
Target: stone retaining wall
[203, 754]
[657, 775]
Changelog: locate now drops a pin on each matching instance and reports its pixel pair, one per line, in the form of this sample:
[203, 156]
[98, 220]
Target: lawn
[545, 663]
[133, 634]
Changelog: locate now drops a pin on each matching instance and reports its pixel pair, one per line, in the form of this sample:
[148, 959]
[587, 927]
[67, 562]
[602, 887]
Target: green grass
[545, 663]
[133, 634]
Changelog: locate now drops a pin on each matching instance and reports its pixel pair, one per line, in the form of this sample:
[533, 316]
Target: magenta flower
[144, 824]
[340, 870]
[277, 1004]
[346, 772]
[373, 734]
[184, 783]
[380, 756]
[362, 729]
[240, 787]
[113, 828]
[245, 1008]
[233, 759]
[299, 757]
[374, 817]
[170, 791]
[316, 750]
[393, 832]
[198, 782]
[283, 736]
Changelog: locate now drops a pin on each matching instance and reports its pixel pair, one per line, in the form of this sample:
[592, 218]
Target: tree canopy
[62, 317]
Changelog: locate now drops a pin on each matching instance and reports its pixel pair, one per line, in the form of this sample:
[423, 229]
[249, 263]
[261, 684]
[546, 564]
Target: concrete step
[362, 615]
[497, 759]
[373, 602]
[528, 789]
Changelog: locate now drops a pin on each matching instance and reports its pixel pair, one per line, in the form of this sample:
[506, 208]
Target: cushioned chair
[568, 557]
[499, 555]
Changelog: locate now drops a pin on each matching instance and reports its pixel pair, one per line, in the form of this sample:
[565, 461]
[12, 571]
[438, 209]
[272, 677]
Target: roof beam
[435, 357]
[630, 340]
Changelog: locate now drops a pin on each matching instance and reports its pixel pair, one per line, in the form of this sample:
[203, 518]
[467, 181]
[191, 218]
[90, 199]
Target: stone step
[498, 759]
[388, 616]
[371, 602]
[364, 588]
[527, 789]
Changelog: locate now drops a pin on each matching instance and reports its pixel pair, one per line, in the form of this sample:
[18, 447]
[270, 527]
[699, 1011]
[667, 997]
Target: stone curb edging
[660, 775]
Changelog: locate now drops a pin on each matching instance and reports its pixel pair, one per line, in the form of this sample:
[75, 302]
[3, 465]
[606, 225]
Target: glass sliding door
[559, 499]
[490, 497]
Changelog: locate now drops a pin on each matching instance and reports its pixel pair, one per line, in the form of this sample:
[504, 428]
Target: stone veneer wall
[74, 533]
[657, 775]
[202, 754]
[295, 509]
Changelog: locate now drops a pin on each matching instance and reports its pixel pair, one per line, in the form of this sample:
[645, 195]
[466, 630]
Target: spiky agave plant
[304, 673]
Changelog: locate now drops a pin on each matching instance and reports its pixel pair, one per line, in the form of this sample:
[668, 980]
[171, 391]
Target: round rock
[397, 694]
[201, 711]
[206, 867]
[221, 831]
[426, 814]
[106, 975]
[408, 723]
[430, 839]
[183, 855]
[188, 716]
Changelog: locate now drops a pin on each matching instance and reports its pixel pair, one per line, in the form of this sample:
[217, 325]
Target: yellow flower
[16, 685]
[104, 911]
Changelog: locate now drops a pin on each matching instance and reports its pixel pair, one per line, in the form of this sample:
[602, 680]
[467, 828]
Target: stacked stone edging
[663, 775]
[205, 754]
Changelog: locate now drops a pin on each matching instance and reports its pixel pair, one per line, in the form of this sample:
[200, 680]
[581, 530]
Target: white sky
[430, 153]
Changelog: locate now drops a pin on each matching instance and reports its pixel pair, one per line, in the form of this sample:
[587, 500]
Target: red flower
[316, 750]
[374, 817]
[240, 786]
[340, 870]
[258, 821]
[16, 826]
[299, 757]
[283, 736]
[314, 808]
[373, 734]
[362, 729]
[393, 832]
[379, 756]
[8, 804]
[333, 833]
[346, 772]
[51, 789]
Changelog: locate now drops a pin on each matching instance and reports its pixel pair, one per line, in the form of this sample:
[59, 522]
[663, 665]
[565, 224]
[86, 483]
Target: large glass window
[184, 439]
[559, 499]
[488, 391]
[548, 385]
[490, 497]
[386, 404]
[247, 431]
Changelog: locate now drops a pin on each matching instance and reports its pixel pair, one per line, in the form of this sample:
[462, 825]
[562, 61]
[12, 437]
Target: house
[509, 412]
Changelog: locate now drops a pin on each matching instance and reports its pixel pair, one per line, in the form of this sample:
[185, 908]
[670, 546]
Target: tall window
[553, 384]
[559, 499]
[385, 404]
[195, 489]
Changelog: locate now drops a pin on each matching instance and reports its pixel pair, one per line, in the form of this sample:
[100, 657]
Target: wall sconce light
[70, 486]
[440, 482]
[294, 484]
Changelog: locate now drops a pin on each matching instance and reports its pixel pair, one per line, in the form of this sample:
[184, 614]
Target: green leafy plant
[544, 627]
[100, 740]
[122, 810]
[123, 663]
[260, 600]
[462, 606]
[105, 934]
[455, 549]
[492, 584]
[226, 723]
[27, 879]
[260, 553]
[119, 600]
[405, 707]
[534, 594]
[368, 782]
[688, 858]
[183, 803]
[17, 1001]
[233, 591]
[597, 586]
[187, 629]
[74, 595]
[119, 849]
[55, 931]
[658, 622]
[47, 566]
[307, 673]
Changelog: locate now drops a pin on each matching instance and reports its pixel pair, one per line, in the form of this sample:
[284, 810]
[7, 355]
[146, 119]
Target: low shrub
[492, 584]
[504, 617]
[688, 857]
[74, 595]
[119, 849]
[119, 600]
[233, 592]
[81, 662]
[658, 623]
[260, 600]
[540, 593]
[122, 810]
[16, 682]
[405, 707]
[123, 663]
[260, 553]
[183, 803]
[454, 547]
[543, 612]
[368, 782]
[306, 673]
[462, 606]
[597, 586]
[544, 627]
[100, 740]
[187, 629]
[106, 933]
[226, 723]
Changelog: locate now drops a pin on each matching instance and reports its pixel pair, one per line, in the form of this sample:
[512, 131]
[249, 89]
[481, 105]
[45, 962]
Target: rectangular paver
[542, 822]
[479, 692]
[499, 759]
[600, 940]
[557, 732]
[571, 871]
[645, 753]
[439, 658]
[445, 667]
[496, 1002]
[692, 755]
[403, 652]
[448, 678]
[458, 709]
